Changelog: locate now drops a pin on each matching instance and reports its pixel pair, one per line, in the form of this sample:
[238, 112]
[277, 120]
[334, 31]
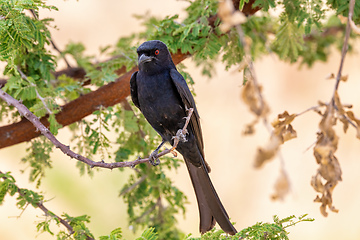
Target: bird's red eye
[157, 52]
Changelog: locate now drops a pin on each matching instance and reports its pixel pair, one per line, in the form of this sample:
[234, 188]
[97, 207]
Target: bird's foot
[153, 159]
[181, 135]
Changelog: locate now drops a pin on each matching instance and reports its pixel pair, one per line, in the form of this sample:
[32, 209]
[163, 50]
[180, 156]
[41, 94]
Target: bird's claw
[173, 153]
[153, 160]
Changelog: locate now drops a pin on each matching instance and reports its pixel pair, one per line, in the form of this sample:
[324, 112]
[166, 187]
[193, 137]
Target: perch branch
[66, 149]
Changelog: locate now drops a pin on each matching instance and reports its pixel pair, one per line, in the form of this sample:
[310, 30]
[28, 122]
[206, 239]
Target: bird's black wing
[189, 102]
[133, 90]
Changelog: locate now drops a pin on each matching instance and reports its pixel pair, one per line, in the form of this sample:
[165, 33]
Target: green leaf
[148, 234]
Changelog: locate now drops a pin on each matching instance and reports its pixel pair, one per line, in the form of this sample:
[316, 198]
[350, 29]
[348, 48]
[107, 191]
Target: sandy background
[230, 154]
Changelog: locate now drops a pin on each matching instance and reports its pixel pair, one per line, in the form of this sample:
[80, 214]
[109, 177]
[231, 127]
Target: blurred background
[245, 191]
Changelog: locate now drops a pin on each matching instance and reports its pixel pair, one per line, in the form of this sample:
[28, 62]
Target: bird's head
[154, 56]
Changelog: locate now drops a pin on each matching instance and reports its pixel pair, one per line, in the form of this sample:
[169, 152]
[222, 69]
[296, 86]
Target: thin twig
[133, 185]
[24, 111]
[344, 49]
[147, 212]
[307, 110]
[249, 62]
[48, 212]
[350, 21]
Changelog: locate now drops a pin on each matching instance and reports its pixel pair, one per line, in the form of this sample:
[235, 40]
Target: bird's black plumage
[162, 95]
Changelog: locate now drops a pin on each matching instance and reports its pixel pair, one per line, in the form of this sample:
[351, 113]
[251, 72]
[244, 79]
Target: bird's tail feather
[210, 207]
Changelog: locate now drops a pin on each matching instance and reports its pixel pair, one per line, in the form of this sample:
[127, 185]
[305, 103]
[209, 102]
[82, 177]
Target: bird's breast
[161, 104]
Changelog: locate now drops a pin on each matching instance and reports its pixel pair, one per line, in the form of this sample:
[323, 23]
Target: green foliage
[25, 196]
[38, 158]
[304, 12]
[274, 231]
[114, 235]
[91, 137]
[22, 46]
[151, 198]
[265, 5]
[289, 41]
[81, 232]
[135, 137]
[316, 46]
[28, 197]
[259, 231]
[148, 234]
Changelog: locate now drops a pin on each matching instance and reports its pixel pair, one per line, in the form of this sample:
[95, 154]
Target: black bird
[162, 95]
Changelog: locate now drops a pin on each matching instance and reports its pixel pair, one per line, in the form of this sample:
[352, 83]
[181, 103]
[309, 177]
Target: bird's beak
[143, 59]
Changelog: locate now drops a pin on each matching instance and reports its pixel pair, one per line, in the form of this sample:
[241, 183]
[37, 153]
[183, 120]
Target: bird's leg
[152, 158]
[181, 133]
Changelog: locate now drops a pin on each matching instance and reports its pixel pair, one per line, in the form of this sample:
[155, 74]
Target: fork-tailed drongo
[162, 95]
